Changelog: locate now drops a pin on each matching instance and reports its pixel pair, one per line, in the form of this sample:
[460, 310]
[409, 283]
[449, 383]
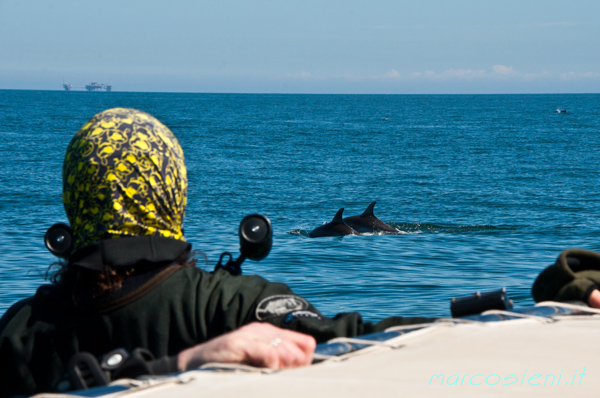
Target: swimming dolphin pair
[354, 225]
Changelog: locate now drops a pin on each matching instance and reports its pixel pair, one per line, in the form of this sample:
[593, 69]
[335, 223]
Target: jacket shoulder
[17, 315]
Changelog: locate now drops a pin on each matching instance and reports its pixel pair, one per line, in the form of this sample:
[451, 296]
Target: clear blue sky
[303, 46]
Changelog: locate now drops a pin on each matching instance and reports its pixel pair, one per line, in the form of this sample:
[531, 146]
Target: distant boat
[558, 110]
[93, 86]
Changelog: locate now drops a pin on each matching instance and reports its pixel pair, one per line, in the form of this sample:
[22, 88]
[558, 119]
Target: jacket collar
[126, 252]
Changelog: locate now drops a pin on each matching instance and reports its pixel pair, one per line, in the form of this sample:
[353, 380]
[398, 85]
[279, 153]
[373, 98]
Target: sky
[303, 46]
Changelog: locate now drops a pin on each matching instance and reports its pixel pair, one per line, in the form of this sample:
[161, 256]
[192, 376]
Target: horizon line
[289, 93]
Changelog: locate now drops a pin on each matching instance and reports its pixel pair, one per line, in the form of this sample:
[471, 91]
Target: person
[575, 276]
[130, 281]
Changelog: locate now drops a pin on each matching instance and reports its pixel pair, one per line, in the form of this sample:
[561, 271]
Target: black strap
[86, 371]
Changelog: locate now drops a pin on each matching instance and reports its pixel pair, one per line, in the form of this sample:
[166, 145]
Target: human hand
[594, 299]
[256, 344]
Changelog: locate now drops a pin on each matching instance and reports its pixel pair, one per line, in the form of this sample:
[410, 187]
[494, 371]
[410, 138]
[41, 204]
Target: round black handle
[256, 236]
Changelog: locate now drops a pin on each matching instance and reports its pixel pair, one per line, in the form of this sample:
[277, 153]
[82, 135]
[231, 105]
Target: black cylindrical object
[59, 240]
[480, 302]
[256, 236]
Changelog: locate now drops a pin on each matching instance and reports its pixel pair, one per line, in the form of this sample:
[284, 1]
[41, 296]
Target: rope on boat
[234, 367]
[541, 319]
[328, 358]
[401, 333]
[582, 308]
[455, 321]
[352, 346]
[364, 342]
[437, 322]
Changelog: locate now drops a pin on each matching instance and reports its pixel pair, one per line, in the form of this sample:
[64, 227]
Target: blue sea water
[487, 189]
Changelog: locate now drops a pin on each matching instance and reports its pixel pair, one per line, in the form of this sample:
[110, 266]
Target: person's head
[124, 175]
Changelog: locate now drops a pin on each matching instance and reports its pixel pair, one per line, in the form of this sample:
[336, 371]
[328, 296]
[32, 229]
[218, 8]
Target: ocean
[486, 189]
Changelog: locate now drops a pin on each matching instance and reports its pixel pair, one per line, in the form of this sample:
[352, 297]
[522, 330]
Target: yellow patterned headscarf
[124, 175]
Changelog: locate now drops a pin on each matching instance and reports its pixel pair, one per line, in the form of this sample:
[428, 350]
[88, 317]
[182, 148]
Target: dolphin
[336, 227]
[368, 223]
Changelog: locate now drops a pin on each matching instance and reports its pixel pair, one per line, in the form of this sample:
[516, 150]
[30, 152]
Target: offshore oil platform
[93, 86]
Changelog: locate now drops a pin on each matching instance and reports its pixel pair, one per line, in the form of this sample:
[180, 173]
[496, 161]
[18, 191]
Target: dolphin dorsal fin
[369, 211]
[338, 215]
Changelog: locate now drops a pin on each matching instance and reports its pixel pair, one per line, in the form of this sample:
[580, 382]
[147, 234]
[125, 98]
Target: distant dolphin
[368, 223]
[336, 227]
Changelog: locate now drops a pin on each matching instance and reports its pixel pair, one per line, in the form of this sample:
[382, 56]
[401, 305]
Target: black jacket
[574, 276]
[163, 311]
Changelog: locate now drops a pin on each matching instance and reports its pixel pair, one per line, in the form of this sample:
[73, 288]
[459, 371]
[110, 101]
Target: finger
[594, 299]
[292, 354]
[302, 341]
[261, 353]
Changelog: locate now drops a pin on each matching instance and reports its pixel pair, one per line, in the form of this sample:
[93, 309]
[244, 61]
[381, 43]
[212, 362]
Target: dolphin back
[337, 227]
[368, 222]
[338, 216]
[369, 211]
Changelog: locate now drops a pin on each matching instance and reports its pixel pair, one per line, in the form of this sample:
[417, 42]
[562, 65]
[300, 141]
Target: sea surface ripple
[486, 189]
